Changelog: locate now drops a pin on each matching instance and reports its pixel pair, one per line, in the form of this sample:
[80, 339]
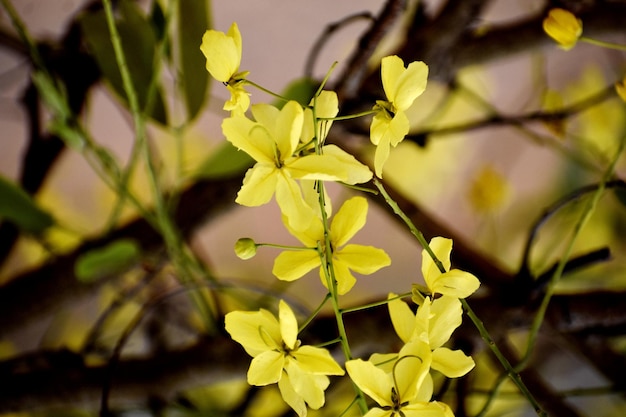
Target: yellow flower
[278, 357]
[455, 283]
[272, 141]
[433, 324]
[223, 57]
[402, 86]
[620, 88]
[489, 191]
[562, 26]
[405, 391]
[291, 265]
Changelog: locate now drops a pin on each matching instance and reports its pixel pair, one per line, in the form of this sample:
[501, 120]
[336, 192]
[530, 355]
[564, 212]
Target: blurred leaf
[138, 39]
[157, 19]
[225, 162]
[301, 90]
[18, 207]
[108, 260]
[193, 21]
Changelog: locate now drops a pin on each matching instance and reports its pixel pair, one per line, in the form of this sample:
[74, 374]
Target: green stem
[604, 44]
[314, 314]
[582, 221]
[170, 236]
[374, 304]
[470, 313]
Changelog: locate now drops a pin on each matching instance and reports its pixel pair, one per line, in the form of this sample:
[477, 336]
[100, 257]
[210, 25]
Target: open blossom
[562, 26]
[272, 141]
[405, 390]
[278, 357]
[291, 265]
[433, 324]
[223, 57]
[455, 282]
[390, 124]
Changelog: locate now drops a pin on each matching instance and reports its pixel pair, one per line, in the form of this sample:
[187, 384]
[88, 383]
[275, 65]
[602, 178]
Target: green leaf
[301, 90]
[193, 21]
[139, 40]
[111, 259]
[17, 207]
[227, 161]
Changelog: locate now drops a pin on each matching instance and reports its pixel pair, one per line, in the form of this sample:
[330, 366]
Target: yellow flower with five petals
[291, 265]
[278, 356]
[405, 391]
[223, 57]
[272, 140]
[390, 124]
[456, 283]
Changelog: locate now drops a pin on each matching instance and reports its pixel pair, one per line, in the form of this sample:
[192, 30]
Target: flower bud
[245, 248]
[562, 26]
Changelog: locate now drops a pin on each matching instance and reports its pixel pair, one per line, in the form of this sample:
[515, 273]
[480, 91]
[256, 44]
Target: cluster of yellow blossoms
[292, 164]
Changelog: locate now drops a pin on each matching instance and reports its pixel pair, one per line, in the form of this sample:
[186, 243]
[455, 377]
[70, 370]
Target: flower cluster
[292, 164]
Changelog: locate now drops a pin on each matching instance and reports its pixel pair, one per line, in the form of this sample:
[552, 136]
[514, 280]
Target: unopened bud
[245, 248]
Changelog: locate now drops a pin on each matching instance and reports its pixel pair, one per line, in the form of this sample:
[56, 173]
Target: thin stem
[314, 314]
[582, 221]
[374, 304]
[604, 44]
[172, 240]
[265, 90]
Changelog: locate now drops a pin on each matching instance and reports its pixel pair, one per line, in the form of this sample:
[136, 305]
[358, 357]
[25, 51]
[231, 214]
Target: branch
[39, 293]
[62, 379]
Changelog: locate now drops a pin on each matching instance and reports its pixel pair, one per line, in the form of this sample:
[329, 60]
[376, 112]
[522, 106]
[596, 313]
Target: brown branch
[38, 293]
[62, 379]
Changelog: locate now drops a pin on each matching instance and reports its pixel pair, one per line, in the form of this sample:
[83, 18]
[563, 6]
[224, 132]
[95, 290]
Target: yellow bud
[245, 248]
[562, 26]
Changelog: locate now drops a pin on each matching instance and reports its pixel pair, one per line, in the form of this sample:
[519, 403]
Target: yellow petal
[412, 367]
[248, 136]
[288, 128]
[291, 203]
[357, 173]
[317, 361]
[291, 397]
[316, 167]
[258, 186]
[402, 318]
[239, 99]
[446, 316]
[391, 69]
[371, 380]
[349, 219]
[363, 259]
[310, 387]
[222, 52]
[345, 279]
[288, 324]
[266, 368]
[291, 265]
[410, 85]
[562, 26]
[451, 363]
[381, 156]
[256, 331]
[441, 247]
[455, 283]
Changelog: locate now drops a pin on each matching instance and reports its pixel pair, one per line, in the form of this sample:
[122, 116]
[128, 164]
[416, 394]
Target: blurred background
[485, 161]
